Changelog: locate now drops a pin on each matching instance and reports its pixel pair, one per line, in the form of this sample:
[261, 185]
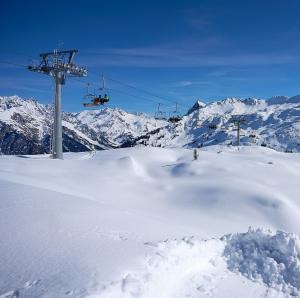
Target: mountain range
[25, 126]
[273, 123]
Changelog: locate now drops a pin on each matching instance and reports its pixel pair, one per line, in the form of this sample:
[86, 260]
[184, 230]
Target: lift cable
[143, 90]
[139, 97]
[125, 93]
[12, 63]
[175, 101]
[120, 83]
[138, 89]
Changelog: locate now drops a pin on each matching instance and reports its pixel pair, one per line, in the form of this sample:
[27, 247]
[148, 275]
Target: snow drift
[106, 223]
[191, 267]
[271, 258]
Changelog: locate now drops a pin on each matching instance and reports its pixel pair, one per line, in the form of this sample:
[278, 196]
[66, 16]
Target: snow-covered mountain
[274, 123]
[25, 127]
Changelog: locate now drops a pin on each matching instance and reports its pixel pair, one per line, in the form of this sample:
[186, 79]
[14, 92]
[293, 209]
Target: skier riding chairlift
[94, 99]
[98, 101]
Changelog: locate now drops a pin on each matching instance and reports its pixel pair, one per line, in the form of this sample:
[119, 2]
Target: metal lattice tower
[59, 65]
[238, 120]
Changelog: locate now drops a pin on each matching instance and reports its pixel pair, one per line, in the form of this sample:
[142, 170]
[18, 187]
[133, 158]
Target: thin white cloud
[195, 56]
[186, 83]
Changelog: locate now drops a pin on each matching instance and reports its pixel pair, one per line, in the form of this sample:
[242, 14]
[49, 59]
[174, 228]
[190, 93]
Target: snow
[149, 222]
[103, 128]
[191, 267]
[115, 124]
[33, 115]
[272, 123]
[271, 258]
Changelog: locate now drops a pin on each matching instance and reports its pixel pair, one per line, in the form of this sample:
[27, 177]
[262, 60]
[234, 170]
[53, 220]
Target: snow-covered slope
[274, 123]
[149, 222]
[25, 127]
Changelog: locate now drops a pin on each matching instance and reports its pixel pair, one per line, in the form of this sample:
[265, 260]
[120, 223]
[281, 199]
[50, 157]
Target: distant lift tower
[238, 120]
[59, 65]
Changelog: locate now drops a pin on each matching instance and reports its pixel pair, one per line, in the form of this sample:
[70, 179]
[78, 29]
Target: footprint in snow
[76, 292]
[31, 283]
[151, 244]
[113, 235]
[68, 293]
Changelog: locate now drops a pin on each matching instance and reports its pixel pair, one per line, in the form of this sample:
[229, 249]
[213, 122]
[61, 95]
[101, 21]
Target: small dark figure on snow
[195, 154]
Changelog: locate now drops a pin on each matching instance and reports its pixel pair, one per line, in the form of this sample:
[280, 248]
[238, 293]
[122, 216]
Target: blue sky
[180, 50]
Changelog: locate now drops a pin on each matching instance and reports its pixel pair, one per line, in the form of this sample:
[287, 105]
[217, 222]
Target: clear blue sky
[181, 50]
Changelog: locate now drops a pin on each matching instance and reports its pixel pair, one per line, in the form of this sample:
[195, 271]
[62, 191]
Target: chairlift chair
[224, 128]
[212, 126]
[174, 116]
[94, 100]
[159, 114]
[174, 119]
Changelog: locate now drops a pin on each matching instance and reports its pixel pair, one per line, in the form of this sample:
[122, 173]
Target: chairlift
[212, 126]
[92, 99]
[174, 116]
[175, 119]
[224, 128]
[159, 114]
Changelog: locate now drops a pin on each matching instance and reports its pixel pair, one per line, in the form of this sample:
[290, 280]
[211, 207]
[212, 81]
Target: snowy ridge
[26, 116]
[115, 124]
[274, 123]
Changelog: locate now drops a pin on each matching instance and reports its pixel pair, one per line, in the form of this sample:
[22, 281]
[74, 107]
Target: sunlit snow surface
[150, 222]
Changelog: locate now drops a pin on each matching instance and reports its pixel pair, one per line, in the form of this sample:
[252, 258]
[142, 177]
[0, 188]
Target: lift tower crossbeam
[59, 65]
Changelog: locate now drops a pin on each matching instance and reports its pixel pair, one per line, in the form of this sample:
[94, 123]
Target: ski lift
[175, 116]
[92, 99]
[159, 114]
[224, 129]
[212, 126]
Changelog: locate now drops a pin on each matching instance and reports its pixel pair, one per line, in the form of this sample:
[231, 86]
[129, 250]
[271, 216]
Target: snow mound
[192, 267]
[128, 163]
[93, 223]
[178, 268]
[271, 258]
